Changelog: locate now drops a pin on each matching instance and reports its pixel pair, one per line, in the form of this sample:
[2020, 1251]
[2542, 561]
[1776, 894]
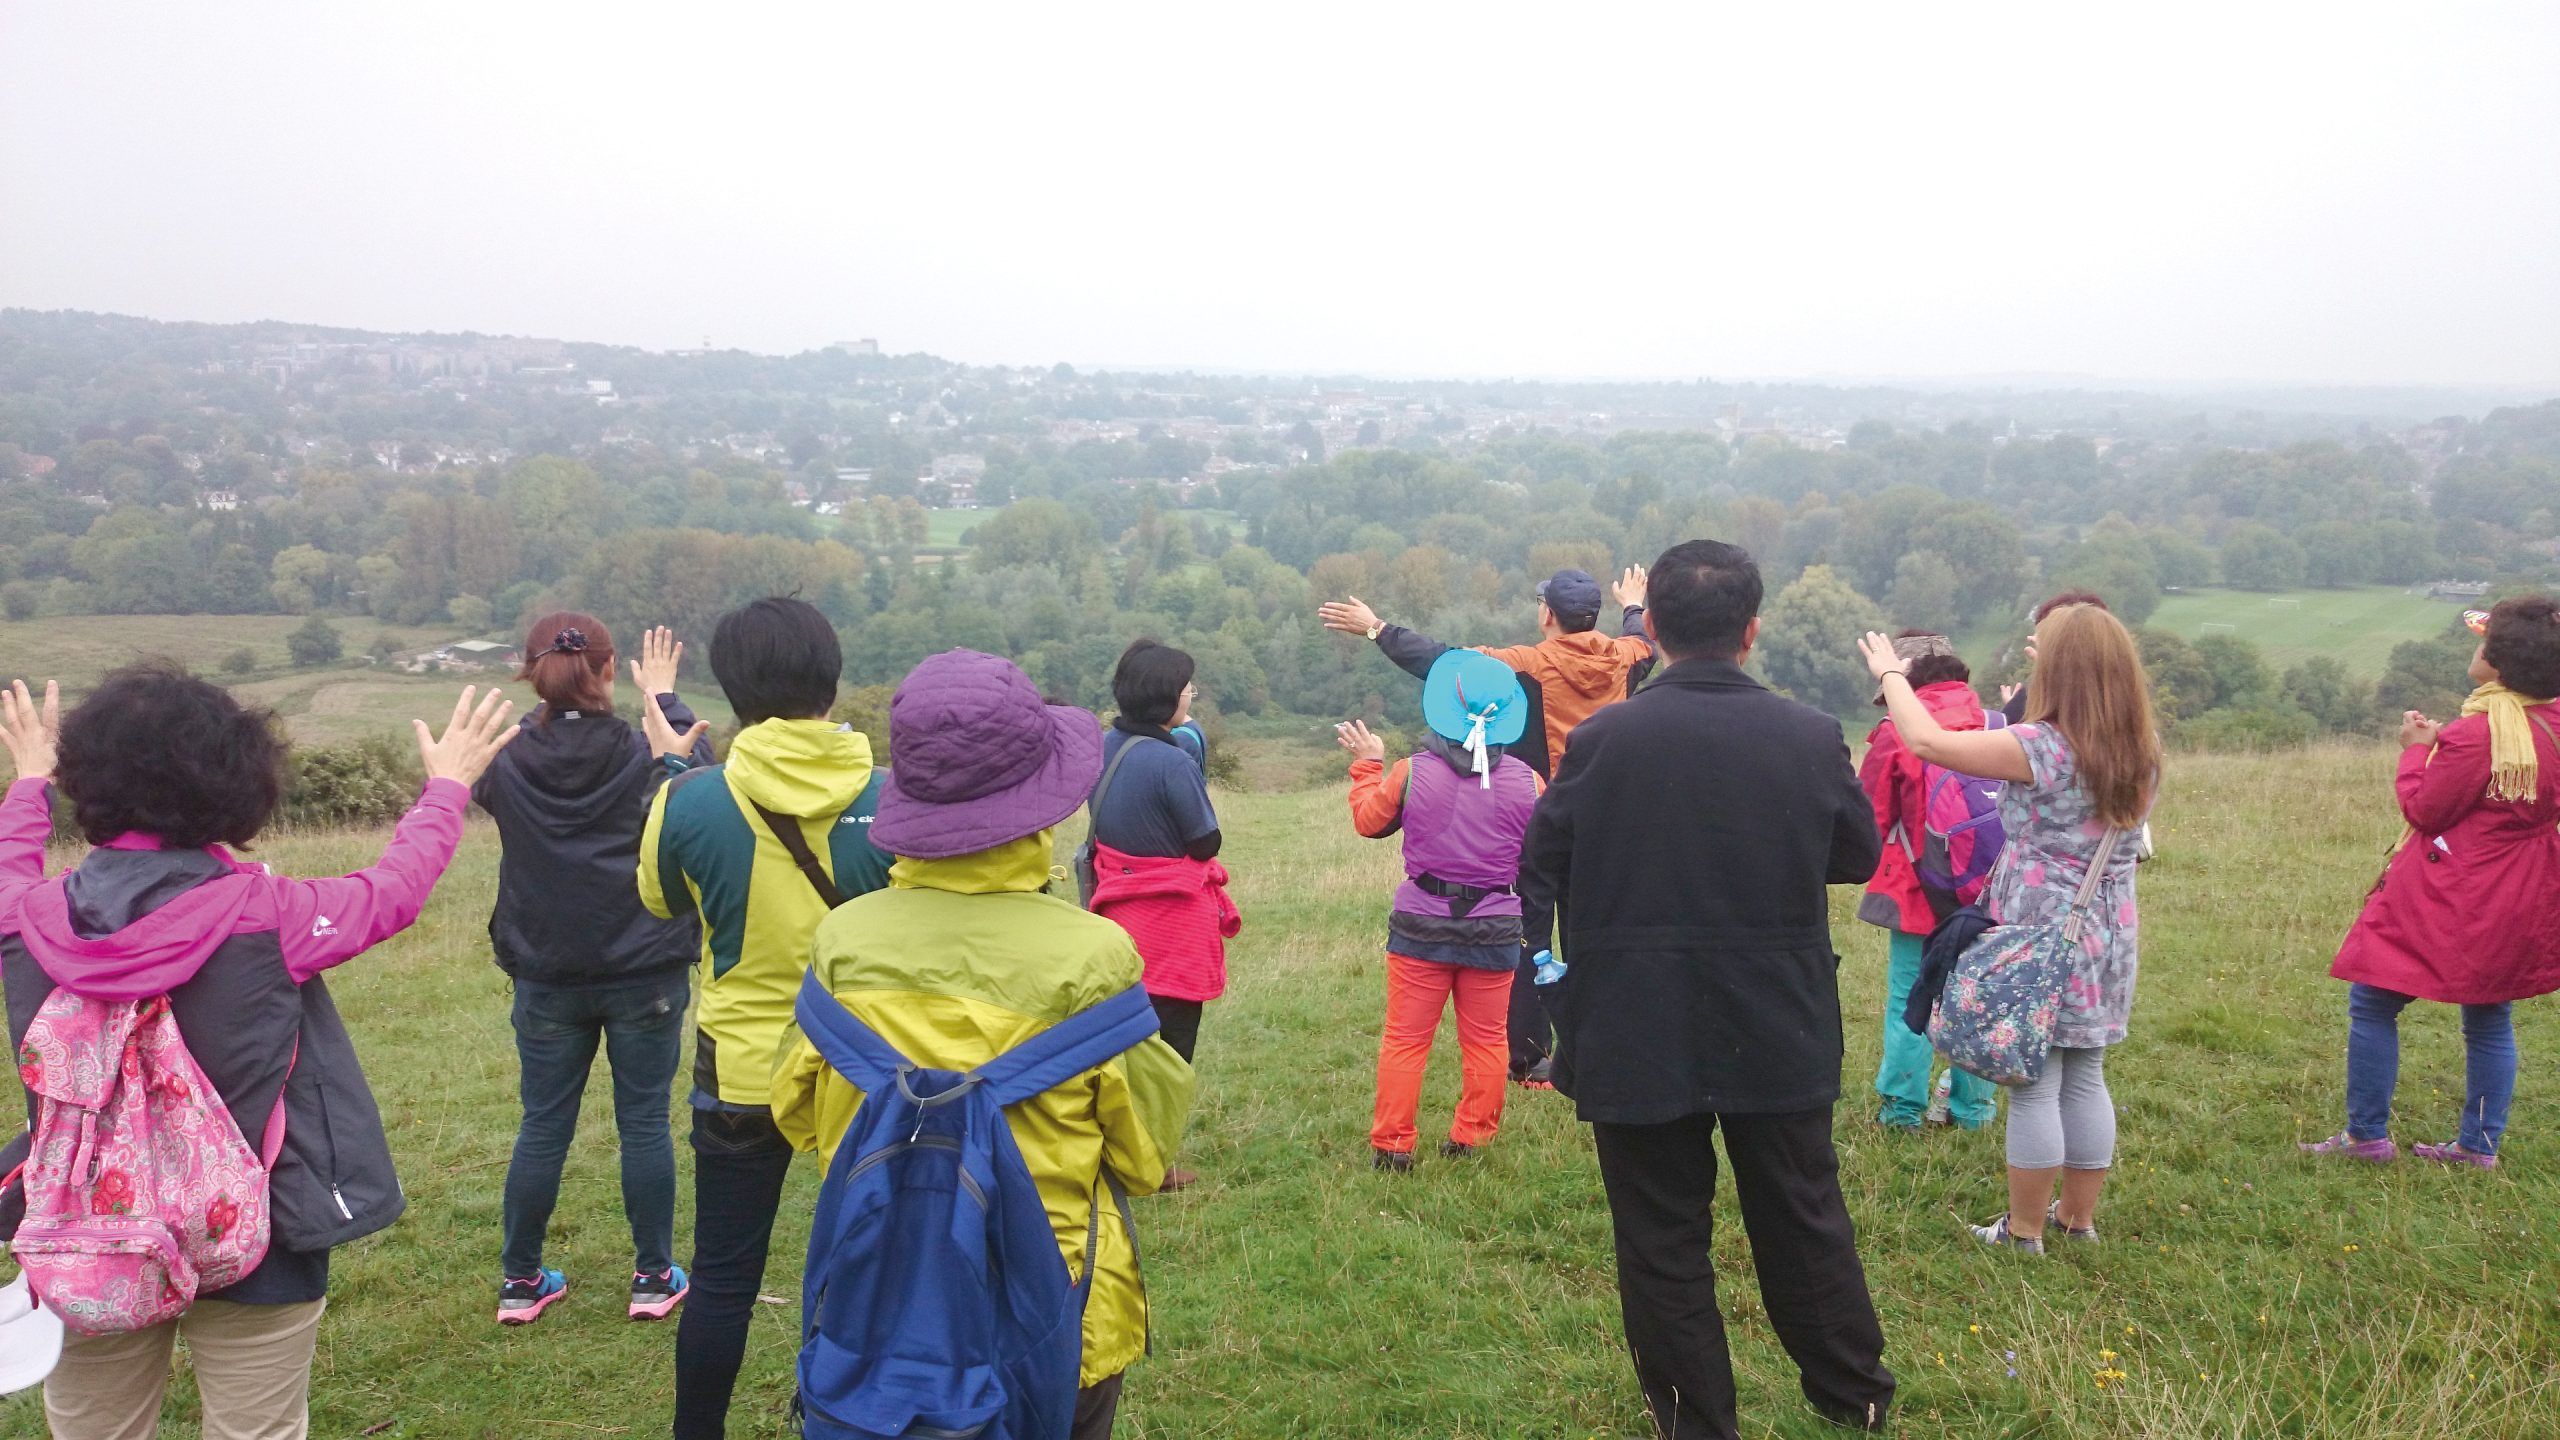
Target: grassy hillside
[2241, 1290]
[2357, 626]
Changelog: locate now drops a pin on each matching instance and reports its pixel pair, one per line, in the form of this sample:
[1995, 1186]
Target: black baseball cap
[1572, 594]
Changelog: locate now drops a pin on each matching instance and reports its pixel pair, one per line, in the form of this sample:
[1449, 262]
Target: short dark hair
[1147, 683]
[2067, 597]
[777, 658]
[156, 751]
[1701, 597]
[1933, 669]
[2523, 645]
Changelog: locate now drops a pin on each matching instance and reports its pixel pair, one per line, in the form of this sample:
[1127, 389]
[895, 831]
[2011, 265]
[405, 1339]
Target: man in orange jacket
[1571, 672]
[1567, 676]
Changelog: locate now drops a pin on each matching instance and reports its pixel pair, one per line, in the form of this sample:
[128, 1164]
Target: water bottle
[1550, 969]
[1940, 1106]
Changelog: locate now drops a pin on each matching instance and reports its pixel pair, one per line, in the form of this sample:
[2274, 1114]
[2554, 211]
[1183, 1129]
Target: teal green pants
[1903, 1079]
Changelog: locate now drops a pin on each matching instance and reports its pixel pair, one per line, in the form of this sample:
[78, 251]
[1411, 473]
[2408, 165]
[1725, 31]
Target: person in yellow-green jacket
[761, 847]
[965, 955]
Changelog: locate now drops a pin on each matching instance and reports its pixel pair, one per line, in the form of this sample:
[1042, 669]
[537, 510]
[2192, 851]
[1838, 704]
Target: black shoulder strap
[1102, 788]
[786, 829]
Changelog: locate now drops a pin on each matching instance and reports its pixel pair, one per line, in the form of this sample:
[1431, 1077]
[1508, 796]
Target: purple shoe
[2452, 1153]
[2377, 1152]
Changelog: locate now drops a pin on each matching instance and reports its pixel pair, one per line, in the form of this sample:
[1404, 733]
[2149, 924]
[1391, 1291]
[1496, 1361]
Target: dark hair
[2067, 597]
[1701, 597]
[568, 659]
[1147, 683]
[777, 658]
[1933, 669]
[157, 751]
[2523, 645]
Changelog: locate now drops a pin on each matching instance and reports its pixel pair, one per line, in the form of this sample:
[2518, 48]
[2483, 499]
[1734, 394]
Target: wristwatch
[1378, 629]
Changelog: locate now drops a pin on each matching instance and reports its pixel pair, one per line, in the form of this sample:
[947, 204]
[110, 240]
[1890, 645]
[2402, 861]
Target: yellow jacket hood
[800, 767]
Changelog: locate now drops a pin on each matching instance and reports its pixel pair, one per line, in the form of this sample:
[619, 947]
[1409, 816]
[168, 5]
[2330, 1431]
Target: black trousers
[1661, 1181]
[1097, 1407]
[739, 1164]
[1178, 1021]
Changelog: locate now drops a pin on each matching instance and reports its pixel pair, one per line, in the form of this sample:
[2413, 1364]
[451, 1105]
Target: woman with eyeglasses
[1156, 843]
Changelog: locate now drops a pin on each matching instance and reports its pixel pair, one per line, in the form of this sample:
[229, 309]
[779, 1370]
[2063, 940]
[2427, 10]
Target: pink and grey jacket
[239, 952]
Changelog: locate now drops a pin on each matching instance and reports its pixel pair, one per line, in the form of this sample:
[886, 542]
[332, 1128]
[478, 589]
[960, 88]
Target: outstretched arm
[1991, 754]
[26, 817]
[1411, 651]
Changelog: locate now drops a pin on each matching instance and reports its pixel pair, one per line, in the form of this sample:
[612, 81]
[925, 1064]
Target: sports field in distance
[2240, 1291]
[2358, 626]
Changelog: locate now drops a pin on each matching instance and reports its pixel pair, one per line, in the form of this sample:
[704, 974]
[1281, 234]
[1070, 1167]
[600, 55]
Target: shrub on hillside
[240, 661]
[866, 708]
[21, 599]
[314, 642]
[2255, 727]
[371, 782]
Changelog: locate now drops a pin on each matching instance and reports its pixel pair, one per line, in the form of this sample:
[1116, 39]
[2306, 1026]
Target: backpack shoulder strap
[853, 1048]
[1090, 1037]
[787, 830]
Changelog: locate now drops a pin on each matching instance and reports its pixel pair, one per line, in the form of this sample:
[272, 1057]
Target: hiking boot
[2452, 1153]
[521, 1302]
[1394, 1162]
[655, 1297]
[2084, 1234]
[1456, 1150]
[2373, 1152]
[1540, 1076]
[1997, 1234]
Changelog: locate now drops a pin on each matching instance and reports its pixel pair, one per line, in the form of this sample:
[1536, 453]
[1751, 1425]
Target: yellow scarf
[2514, 765]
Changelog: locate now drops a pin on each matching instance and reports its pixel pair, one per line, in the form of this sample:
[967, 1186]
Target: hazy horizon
[2179, 198]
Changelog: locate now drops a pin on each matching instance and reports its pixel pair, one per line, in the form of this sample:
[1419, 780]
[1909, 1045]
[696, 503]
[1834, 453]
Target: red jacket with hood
[1891, 777]
[2468, 913]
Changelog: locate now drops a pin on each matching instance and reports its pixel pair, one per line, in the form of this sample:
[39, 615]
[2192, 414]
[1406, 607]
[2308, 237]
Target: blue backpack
[935, 1303]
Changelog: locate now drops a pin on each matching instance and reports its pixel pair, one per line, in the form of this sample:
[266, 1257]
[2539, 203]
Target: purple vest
[1457, 831]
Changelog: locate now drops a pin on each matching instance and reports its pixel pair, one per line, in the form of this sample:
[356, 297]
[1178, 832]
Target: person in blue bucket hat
[1455, 928]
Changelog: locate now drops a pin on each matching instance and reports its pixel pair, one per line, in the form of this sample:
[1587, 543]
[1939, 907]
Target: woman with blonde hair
[2083, 767]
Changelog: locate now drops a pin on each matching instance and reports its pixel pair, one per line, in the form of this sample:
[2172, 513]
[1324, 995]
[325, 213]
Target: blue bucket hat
[1464, 685]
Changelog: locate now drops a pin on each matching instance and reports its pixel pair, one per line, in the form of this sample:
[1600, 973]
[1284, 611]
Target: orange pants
[1417, 992]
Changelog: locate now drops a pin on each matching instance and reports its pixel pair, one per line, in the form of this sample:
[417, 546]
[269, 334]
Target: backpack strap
[1090, 1037]
[1102, 787]
[853, 1048]
[787, 830]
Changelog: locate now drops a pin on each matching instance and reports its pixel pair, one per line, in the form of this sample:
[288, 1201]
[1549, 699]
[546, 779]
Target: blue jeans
[2373, 1067]
[1903, 1078]
[642, 1027]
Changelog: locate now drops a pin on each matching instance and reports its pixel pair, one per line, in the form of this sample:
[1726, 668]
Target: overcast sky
[2333, 193]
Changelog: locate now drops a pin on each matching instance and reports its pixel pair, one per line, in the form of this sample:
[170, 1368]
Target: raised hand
[1630, 588]
[662, 736]
[2417, 729]
[32, 731]
[1363, 743]
[1877, 650]
[660, 652]
[471, 739]
[1351, 616]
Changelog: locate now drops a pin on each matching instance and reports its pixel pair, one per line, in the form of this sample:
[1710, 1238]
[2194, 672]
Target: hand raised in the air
[471, 739]
[1630, 588]
[663, 739]
[32, 731]
[660, 652]
[1877, 650]
[1363, 743]
[1351, 616]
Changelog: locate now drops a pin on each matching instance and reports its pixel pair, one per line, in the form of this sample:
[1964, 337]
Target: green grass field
[2242, 1291]
[2357, 626]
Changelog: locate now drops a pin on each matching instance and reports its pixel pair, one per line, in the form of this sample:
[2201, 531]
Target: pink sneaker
[2452, 1153]
[2378, 1152]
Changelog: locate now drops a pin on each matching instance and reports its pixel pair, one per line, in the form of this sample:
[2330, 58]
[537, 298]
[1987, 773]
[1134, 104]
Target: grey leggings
[2064, 1116]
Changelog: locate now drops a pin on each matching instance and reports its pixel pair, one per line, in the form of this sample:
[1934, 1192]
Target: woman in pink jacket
[2464, 914]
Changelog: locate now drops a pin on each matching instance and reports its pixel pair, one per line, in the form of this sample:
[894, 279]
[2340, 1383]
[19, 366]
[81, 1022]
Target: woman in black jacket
[589, 964]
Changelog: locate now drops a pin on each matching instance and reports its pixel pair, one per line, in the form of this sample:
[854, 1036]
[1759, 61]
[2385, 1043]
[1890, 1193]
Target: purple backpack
[1960, 829]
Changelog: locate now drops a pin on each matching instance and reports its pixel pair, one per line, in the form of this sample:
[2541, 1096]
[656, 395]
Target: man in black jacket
[1687, 841]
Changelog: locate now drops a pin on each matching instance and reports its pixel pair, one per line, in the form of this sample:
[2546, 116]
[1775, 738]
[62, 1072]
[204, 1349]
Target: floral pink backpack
[141, 1192]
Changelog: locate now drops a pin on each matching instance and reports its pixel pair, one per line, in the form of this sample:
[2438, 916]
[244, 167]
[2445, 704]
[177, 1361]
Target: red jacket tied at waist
[2465, 914]
[1177, 910]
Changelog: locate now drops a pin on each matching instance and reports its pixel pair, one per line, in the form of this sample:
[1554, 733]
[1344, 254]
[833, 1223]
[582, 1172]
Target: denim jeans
[642, 1028]
[1903, 1079]
[740, 1161]
[2373, 1066]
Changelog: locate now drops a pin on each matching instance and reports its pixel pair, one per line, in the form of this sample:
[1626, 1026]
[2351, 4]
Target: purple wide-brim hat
[977, 759]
